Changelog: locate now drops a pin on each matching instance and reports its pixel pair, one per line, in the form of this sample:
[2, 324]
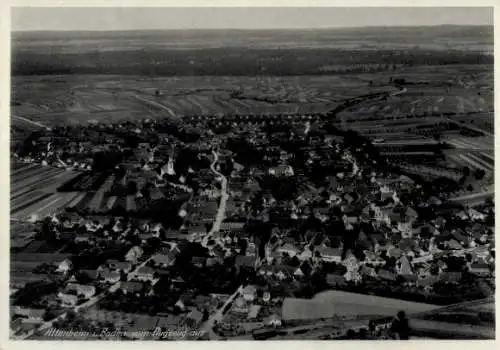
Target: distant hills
[268, 38]
[245, 52]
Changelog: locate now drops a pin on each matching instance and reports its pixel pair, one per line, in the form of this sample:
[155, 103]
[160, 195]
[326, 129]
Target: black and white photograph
[251, 173]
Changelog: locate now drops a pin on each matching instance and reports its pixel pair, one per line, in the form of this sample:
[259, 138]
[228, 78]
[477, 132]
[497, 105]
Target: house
[405, 227]
[240, 307]
[394, 252]
[131, 287]
[427, 282]
[372, 258]
[279, 271]
[367, 271]
[243, 261]
[119, 265]
[110, 276]
[163, 260]
[83, 290]
[83, 238]
[181, 303]
[194, 318]
[284, 272]
[476, 215]
[403, 267]
[450, 277]
[350, 262]
[134, 254]
[228, 226]
[251, 249]
[274, 256]
[273, 320]
[29, 314]
[462, 215]
[253, 312]
[386, 275]
[306, 254]
[281, 170]
[249, 293]
[334, 280]
[298, 273]
[453, 244]
[423, 258]
[410, 214]
[144, 273]
[289, 249]
[266, 296]
[68, 299]
[329, 254]
[480, 269]
[65, 266]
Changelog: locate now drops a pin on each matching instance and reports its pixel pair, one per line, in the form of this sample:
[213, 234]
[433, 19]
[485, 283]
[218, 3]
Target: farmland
[33, 190]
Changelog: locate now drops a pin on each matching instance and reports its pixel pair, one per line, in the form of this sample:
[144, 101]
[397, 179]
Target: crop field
[430, 91]
[34, 190]
[23, 264]
[80, 99]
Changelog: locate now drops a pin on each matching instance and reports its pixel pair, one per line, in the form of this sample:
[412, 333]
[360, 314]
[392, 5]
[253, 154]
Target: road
[208, 325]
[471, 127]
[92, 301]
[221, 211]
[475, 198]
[155, 104]
[30, 121]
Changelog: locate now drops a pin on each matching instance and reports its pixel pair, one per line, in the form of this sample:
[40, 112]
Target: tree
[466, 171]
[479, 174]
[206, 315]
[48, 230]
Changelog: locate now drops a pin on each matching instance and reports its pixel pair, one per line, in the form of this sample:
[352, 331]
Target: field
[110, 98]
[334, 303]
[87, 98]
[33, 190]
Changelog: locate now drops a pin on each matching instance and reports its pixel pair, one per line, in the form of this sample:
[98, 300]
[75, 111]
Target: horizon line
[246, 29]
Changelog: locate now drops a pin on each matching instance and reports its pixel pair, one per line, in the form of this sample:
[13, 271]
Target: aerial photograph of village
[252, 174]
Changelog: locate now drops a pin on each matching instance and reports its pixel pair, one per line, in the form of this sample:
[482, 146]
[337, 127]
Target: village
[231, 230]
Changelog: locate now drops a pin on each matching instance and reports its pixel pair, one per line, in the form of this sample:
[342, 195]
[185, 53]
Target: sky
[128, 18]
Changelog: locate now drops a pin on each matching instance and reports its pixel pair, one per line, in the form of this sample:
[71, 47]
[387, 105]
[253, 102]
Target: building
[163, 260]
[329, 254]
[144, 273]
[249, 293]
[29, 314]
[83, 290]
[134, 254]
[65, 266]
[480, 269]
[289, 249]
[68, 299]
[131, 287]
[110, 276]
